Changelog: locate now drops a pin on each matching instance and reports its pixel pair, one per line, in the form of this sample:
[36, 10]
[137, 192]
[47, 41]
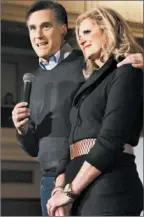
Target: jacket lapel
[95, 79]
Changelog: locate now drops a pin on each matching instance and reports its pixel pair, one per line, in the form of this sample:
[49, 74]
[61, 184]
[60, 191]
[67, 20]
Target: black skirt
[117, 192]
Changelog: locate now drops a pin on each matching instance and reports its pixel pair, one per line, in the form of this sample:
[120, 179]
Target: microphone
[27, 79]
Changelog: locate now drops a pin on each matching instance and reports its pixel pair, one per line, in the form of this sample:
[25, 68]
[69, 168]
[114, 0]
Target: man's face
[46, 35]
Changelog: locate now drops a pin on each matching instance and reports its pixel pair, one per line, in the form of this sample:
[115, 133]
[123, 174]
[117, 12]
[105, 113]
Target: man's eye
[47, 26]
[31, 28]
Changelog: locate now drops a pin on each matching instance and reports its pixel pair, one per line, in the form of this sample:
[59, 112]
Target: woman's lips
[87, 46]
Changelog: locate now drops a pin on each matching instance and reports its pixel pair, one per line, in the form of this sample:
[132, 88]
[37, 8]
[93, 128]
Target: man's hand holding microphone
[21, 112]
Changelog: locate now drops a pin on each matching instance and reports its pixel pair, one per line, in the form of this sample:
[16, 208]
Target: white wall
[139, 157]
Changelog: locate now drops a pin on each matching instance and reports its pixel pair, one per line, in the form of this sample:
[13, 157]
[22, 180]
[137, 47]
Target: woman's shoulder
[128, 71]
[126, 75]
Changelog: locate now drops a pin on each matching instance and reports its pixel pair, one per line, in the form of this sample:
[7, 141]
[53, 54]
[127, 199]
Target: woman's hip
[110, 196]
[117, 191]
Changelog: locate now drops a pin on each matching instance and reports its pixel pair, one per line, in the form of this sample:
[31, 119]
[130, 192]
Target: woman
[98, 172]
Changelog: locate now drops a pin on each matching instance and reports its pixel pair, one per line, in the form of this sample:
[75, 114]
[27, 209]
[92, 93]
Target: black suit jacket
[108, 106]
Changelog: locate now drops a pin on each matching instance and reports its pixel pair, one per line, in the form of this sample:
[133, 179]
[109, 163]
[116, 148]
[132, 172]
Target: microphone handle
[27, 91]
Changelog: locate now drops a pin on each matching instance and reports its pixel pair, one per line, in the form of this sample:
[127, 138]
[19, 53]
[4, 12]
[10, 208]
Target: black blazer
[109, 107]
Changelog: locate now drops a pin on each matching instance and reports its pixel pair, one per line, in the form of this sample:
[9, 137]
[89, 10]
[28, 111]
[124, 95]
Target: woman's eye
[87, 31]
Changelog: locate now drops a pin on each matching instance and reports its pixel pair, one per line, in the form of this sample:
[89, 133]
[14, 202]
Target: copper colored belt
[83, 147]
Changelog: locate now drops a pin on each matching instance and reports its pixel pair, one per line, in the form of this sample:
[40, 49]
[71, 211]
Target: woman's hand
[137, 60]
[63, 210]
[58, 200]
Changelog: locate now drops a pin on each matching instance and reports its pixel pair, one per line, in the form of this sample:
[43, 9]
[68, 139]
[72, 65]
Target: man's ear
[64, 30]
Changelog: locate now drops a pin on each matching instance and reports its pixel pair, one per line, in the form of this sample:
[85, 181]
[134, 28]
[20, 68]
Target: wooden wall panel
[21, 190]
[13, 12]
[90, 5]
[18, 2]
[10, 148]
[130, 10]
[76, 7]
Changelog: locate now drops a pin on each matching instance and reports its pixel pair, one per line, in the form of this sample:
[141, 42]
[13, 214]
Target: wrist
[23, 130]
[68, 190]
[75, 189]
[57, 189]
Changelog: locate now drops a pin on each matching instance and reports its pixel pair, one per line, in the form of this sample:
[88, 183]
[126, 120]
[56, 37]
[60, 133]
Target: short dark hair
[61, 14]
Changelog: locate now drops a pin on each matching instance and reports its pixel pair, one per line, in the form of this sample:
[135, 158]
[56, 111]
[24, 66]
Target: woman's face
[91, 39]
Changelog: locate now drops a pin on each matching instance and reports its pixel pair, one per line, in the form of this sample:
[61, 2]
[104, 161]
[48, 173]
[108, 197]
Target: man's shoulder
[37, 71]
[77, 53]
[77, 56]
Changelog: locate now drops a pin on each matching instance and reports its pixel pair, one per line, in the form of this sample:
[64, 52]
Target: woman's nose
[82, 40]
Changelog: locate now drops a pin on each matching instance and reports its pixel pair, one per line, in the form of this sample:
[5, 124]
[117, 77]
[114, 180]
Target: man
[43, 129]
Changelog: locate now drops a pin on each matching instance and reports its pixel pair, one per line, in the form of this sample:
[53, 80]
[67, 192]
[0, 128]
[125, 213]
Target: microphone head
[28, 77]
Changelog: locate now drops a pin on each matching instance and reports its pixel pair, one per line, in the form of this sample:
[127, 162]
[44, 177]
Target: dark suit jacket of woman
[109, 107]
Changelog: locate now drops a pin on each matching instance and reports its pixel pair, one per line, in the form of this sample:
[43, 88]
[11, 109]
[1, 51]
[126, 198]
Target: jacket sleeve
[65, 159]
[29, 141]
[123, 112]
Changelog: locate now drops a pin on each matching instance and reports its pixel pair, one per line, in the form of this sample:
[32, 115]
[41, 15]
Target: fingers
[21, 104]
[21, 110]
[121, 63]
[137, 55]
[60, 211]
[48, 206]
[21, 124]
[57, 212]
[135, 59]
[57, 200]
[138, 66]
[128, 60]
[127, 54]
[51, 209]
[20, 115]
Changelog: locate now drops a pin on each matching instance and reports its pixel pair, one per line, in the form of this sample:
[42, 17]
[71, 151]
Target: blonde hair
[120, 38]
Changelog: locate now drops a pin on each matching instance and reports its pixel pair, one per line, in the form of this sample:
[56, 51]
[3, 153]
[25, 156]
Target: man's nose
[38, 33]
